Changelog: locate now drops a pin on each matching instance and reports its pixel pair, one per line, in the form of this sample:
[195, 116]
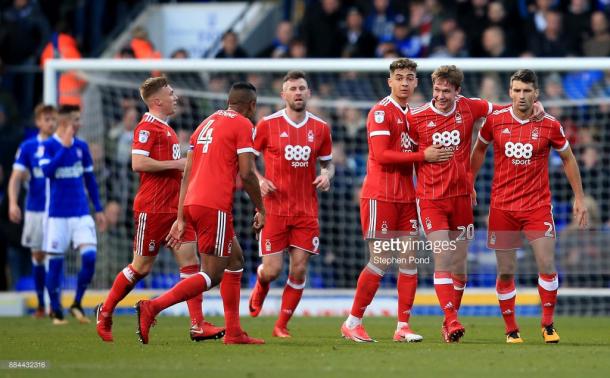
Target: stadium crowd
[379, 28]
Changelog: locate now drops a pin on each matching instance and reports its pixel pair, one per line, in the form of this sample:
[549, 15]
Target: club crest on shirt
[151, 246]
[310, 136]
[535, 133]
[143, 136]
[458, 117]
[379, 116]
[268, 245]
[384, 228]
[79, 153]
[40, 151]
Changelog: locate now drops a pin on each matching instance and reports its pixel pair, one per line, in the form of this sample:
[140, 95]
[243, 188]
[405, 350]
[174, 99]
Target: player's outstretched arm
[177, 230]
[251, 186]
[570, 166]
[14, 186]
[142, 163]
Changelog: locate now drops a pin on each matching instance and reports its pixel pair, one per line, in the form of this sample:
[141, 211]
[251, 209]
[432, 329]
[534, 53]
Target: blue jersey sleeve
[90, 181]
[22, 158]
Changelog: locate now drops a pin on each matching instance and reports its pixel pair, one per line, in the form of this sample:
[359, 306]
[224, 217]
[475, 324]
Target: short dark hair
[451, 73]
[294, 75]
[67, 109]
[151, 86]
[242, 92]
[403, 63]
[42, 109]
[525, 76]
[243, 85]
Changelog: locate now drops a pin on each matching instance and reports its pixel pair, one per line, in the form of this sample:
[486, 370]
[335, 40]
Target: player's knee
[271, 273]
[236, 263]
[298, 272]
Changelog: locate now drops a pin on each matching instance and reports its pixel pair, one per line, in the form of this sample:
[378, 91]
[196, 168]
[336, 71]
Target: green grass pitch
[316, 350]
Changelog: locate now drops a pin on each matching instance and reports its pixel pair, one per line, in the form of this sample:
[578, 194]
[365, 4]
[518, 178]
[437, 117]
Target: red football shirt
[453, 130]
[215, 144]
[521, 159]
[159, 191]
[290, 152]
[391, 183]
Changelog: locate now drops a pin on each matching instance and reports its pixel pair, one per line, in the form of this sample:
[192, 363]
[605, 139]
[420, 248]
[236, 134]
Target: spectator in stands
[420, 22]
[280, 47]
[537, 18]
[126, 52]
[599, 42]
[576, 22]
[497, 16]
[446, 28]
[455, 47]
[490, 88]
[23, 33]
[180, 54]
[230, 47]
[473, 20]
[380, 21]
[63, 45]
[321, 29]
[142, 46]
[298, 49]
[406, 40]
[112, 212]
[121, 135]
[551, 42]
[493, 43]
[359, 43]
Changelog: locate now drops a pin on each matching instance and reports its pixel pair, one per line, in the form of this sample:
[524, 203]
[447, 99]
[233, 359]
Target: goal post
[574, 90]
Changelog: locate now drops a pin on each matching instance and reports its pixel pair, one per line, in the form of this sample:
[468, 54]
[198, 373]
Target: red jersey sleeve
[486, 134]
[558, 138]
[143, 140]
[326, 149]
[377, 122]
[245, 133]
[481, 108]
[261, 133]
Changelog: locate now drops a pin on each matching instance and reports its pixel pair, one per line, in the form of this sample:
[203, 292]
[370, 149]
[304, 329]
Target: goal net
[576, 91]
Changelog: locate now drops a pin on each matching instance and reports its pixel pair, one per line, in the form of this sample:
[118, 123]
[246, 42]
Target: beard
[297, 107]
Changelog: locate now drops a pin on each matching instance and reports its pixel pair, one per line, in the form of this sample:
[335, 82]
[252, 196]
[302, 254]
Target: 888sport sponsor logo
[298, 155]
[449, 139]
[520, 153]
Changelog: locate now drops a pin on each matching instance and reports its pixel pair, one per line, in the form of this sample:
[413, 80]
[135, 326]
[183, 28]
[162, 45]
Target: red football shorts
[214, 229]
[281, 232]
[505, 227]
[151, 230]
[451, 214]
[384, 220]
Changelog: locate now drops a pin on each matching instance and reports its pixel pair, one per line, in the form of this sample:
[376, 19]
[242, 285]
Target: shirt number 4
[205, 136]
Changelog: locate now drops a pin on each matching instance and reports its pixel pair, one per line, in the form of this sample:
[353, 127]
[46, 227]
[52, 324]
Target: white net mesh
[580, 99]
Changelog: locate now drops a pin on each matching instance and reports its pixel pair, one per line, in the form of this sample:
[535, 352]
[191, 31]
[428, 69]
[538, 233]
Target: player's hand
[180, 164]
[100, 220]
[68, 135]
[473, 197]
[266, 186]
[580, 213]
[436, 153]
[175, 234]
[538, 114]
[14, 213]
[258, 222]
[322, 182]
